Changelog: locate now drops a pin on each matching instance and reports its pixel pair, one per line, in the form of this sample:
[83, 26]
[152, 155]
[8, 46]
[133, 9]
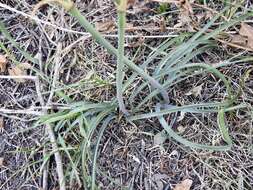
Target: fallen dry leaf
[180, 129]
[19, 70]
[137, 43]
[196, 91]
[1, 124]
[250, 43]
[1, 161]
[106, 27]
[160, 138]
[240, 40]
[209, 15]
[3, 62]
[187, 6]
[25, 65]
[162, 24]
[247, 31]
[185, 20]
[184, 185]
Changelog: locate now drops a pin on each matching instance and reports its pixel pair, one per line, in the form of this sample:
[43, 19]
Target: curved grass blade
[172, 59]
[190, 144]
[153, 55]
[74, 112]
[167, 71]
[99, 137]
[200, 65]
[185, 47]
[197, 39]
[223, 128]
[94, 122]
[194, 108]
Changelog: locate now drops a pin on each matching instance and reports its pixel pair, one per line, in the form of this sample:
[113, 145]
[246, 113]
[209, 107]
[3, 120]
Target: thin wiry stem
[120, 56]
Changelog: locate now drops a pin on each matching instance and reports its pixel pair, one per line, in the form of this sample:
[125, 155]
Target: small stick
[25, 111]
[45, 174]
[18, 77]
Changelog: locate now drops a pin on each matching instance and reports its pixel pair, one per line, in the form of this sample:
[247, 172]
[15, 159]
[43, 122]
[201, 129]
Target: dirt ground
[129, 157]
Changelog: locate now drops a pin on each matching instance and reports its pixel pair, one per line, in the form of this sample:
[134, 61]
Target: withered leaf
[209, 15]
[25, 65]
[162, 25]
[196, 91]
[1, 161]
[187, 6]
[3, 62]
[250, 43]
[180, 129]
[185, 21]
[160, 138]
[184, 185]
[106, 27]
[246, 30]
[19, 70]
[240, 40]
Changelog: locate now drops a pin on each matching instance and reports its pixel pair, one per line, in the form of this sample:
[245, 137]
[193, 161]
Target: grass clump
[81, 119]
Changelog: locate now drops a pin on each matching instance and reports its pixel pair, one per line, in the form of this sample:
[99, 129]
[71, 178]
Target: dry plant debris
[160, 138]
[106, 26]
[185, 15]
[245, 37]
[184, 185]
[196, 91]
[1, 161]
[247, 31]
[3, 62]
[19, 70]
